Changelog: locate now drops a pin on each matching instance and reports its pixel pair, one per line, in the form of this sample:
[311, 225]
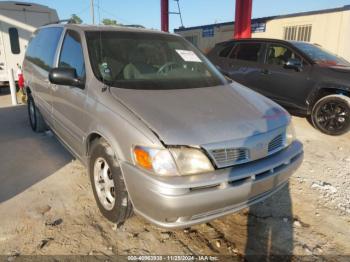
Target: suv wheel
[36, 120]
[108, 183]
[331, 115]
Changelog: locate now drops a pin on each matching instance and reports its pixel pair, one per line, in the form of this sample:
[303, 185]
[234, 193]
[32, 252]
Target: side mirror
[294, 63]
[65, 76]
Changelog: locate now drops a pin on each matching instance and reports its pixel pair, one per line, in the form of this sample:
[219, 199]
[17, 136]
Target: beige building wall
[330, 30]
[222, 33]
[344, 38]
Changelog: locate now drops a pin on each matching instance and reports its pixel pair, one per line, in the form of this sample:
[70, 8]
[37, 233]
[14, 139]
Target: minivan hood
[201, 116]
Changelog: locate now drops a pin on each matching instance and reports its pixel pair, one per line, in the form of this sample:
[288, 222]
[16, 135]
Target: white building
[329, 28]
[18, 20]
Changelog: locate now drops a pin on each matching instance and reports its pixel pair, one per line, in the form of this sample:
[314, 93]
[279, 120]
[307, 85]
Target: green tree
[76, 19]
[108, 21]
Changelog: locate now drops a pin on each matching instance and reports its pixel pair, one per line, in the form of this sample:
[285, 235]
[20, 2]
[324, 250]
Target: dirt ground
[47, 205]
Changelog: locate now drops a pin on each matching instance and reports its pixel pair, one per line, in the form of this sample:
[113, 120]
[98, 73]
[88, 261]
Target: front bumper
[177, 202]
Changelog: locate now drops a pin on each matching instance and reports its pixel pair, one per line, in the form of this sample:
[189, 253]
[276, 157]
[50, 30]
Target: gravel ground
[47, 205]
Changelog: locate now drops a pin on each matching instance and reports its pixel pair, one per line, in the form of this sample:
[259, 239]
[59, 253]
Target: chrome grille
[276, 144]
[229, 156]
[255, 149]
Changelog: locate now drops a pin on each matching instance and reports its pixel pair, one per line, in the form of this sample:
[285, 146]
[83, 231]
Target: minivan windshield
[321, 56]
[144, 60]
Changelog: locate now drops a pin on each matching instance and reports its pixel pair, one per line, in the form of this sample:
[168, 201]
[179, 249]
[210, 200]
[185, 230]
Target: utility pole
[92, 10]
[164, 15]
[179, 12]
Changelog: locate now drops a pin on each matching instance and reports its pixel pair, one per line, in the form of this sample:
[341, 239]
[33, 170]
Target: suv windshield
[321, 56]
[149, 61]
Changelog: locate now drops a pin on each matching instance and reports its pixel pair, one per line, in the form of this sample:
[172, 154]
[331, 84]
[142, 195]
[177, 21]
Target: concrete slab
[25, 157]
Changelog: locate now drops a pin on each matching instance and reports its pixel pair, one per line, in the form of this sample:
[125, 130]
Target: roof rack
[68, 21]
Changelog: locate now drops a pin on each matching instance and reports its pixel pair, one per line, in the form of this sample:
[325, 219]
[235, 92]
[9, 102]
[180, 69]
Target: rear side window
[42, 48]
[247, 52]
[72, 53]
[14, 41]
[226, 50]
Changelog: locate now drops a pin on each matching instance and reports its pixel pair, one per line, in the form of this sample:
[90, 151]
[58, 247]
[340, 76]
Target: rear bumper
[179, 202]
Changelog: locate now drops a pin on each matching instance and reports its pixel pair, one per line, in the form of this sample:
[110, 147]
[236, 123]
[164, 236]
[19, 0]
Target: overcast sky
[195, 12]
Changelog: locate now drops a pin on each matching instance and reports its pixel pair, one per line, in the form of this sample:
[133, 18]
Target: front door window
[279, 55]
[72, 54]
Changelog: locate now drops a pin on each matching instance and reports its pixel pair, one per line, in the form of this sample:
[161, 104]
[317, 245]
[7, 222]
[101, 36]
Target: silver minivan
[160, 130]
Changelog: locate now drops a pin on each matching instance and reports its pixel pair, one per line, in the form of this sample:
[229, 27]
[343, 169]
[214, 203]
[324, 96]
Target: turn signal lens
[156, 160]
[143, 158]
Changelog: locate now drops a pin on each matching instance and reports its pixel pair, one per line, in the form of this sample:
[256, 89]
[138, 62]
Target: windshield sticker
[189, 56]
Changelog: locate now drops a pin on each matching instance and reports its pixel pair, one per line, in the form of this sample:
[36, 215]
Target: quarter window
[247, 52]
[226, 51]
[14, 41]
[72, 53]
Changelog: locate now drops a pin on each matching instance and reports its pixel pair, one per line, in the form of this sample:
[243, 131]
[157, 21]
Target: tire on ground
[122, 208]
[341, 100]
[309, 119]
[36, 120]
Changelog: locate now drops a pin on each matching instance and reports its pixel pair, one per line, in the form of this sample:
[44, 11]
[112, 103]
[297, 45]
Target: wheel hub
[104, 183]
[333, 116]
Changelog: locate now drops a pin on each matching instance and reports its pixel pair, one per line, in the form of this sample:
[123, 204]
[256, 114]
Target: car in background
[18, 20]
[304, 78]
[159, 128]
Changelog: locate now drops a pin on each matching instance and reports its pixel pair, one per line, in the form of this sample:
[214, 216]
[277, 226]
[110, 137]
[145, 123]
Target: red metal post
[164, 4]
[243, 19]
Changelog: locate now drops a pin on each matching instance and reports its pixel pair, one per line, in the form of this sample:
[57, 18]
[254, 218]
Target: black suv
[302, 77]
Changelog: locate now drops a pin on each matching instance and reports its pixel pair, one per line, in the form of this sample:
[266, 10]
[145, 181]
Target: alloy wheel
[333, 116]
[104, 183]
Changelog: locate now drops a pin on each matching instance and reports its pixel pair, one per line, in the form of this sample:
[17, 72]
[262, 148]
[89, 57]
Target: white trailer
[18, 21]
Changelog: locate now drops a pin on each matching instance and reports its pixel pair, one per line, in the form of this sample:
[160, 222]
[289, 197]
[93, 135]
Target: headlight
[191, 160]
[174, 161]
[290, 134]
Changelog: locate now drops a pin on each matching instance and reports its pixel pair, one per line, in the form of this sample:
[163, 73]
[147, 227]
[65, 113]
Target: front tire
[108, 184]
[331, 115]
[36, 120]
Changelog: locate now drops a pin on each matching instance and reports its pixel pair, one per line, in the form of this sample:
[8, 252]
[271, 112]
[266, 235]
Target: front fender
[121, 130]
[326, 88]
